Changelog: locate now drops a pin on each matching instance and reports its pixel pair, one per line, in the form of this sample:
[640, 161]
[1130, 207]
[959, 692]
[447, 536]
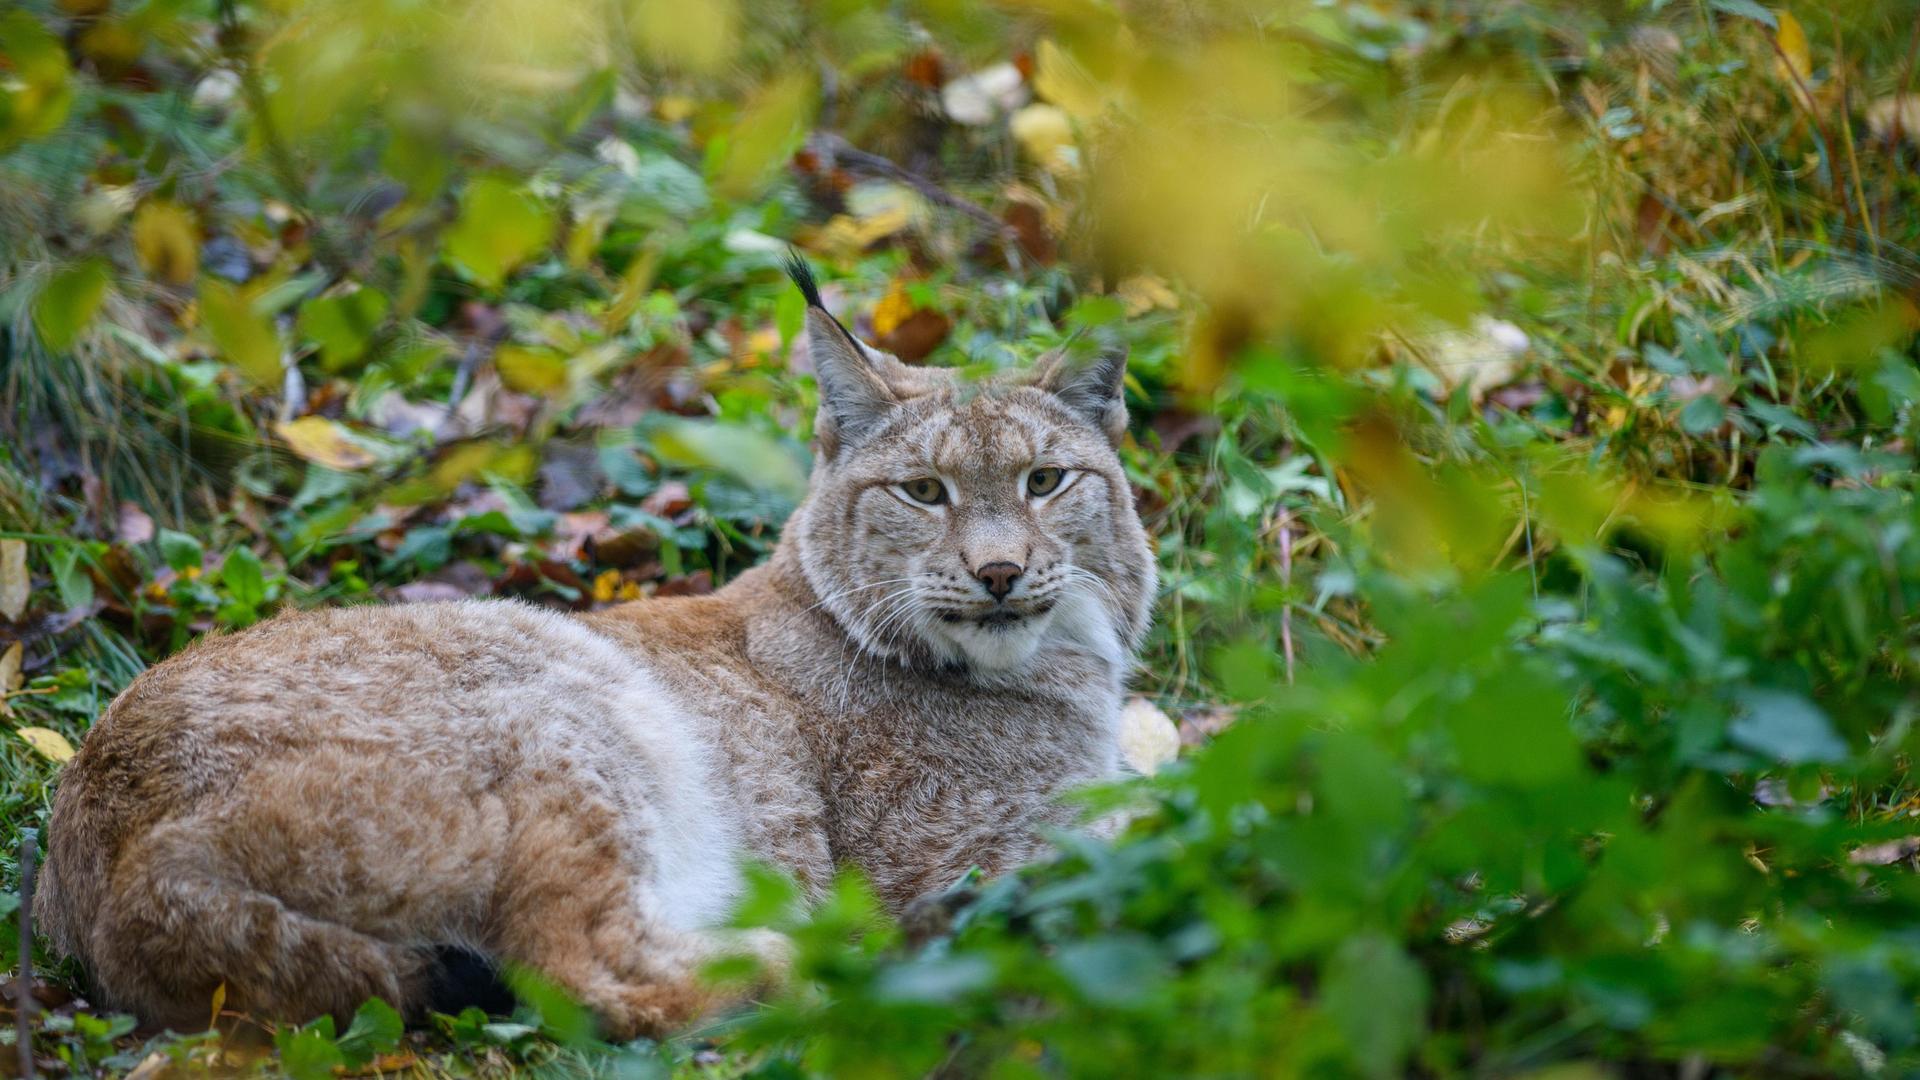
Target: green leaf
[309, 1053]
[245, 335]
[562, 1019]
[1703, 415]
[343, 325]
[70, 578]
[69, 302]
[36, 91]
[746, 455]
[1786, 727]
[500, 226]
[1746, 9]
[1377, 997]
[376, 1029]
[244, 577]
[1118, 970]
[181, 552]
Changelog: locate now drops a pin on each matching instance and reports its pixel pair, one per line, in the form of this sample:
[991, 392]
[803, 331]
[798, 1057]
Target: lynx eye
[1045, 481]
[927, 490]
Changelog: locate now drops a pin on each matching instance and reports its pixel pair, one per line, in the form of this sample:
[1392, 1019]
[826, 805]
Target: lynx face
[972, 523]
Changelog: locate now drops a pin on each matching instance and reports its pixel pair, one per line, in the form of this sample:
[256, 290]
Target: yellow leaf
[10, 668]
[323, 442]
[768, 131]
[501, 225]
[530, 371]
[1144, 292]
[892, 310]
[166, 238]
[1060, 79]
[693, 37]
[15, 585]
[1046, 134]
[245, 336]
[49, 743]
[1795, 62]
[219, 1002]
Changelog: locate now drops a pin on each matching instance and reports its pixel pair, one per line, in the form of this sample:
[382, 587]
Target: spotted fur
[328, 806]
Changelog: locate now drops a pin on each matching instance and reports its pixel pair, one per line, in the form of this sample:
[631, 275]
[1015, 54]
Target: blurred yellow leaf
[1060, 79]
[530, 371]
[323, 442]
[36, 89]
[892, 310]
[501, 225]
[1142, 293]
[69, 301]
[245, 336]
[768, 131]
[697, 36]
[1046, 134]
[1795, 62]
[49, 743]
[15, 585]
[167, 239]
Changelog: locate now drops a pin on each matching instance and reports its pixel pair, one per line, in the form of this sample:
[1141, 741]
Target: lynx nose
[999, 577]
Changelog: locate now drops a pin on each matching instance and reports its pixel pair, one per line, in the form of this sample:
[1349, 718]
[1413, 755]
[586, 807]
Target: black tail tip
[802, 275]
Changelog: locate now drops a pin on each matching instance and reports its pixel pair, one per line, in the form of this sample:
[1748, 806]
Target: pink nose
[999, 577]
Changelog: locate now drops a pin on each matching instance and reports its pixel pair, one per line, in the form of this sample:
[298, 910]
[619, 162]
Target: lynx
[376, 801]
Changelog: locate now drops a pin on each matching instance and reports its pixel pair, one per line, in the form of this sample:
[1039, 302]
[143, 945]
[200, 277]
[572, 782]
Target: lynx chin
[340, 804]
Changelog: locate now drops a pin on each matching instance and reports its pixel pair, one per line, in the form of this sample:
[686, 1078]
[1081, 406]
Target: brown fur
[304, 811]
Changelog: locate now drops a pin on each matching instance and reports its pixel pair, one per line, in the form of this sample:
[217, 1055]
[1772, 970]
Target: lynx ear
[1091, 386]
[854, 399]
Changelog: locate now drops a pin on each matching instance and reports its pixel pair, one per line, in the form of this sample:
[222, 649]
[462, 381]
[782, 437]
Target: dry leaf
[49, 743]
[10, 675]
[134, 526]
[1896, 115]
[10, 667]
[151, 1066]
[1148, 738]
[15, 585]
[1144, 292]
[324, 442]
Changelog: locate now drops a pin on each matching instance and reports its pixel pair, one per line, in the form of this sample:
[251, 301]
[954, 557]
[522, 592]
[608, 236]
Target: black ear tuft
[802, 275]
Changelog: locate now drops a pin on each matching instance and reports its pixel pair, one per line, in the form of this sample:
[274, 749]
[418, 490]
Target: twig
[834, 150]
[23, 984]
[1286, 586]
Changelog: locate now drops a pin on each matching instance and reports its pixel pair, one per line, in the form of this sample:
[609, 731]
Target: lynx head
[971, 523]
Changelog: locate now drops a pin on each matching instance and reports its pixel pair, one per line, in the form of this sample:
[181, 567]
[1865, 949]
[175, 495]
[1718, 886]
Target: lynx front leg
[570, 907]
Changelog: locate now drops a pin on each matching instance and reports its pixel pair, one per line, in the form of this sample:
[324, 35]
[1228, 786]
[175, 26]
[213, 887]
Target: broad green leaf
[501, 225]
[244, 335]
[1787, 727]
[748, 456]
[530, 370]
[1377, 997]
[376, 1029]
[342, 325]
[310, 1052]
[181, 552]
[244, 577]
[69, 301]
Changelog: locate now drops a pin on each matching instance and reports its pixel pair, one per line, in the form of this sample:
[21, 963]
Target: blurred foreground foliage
[1523, 402]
